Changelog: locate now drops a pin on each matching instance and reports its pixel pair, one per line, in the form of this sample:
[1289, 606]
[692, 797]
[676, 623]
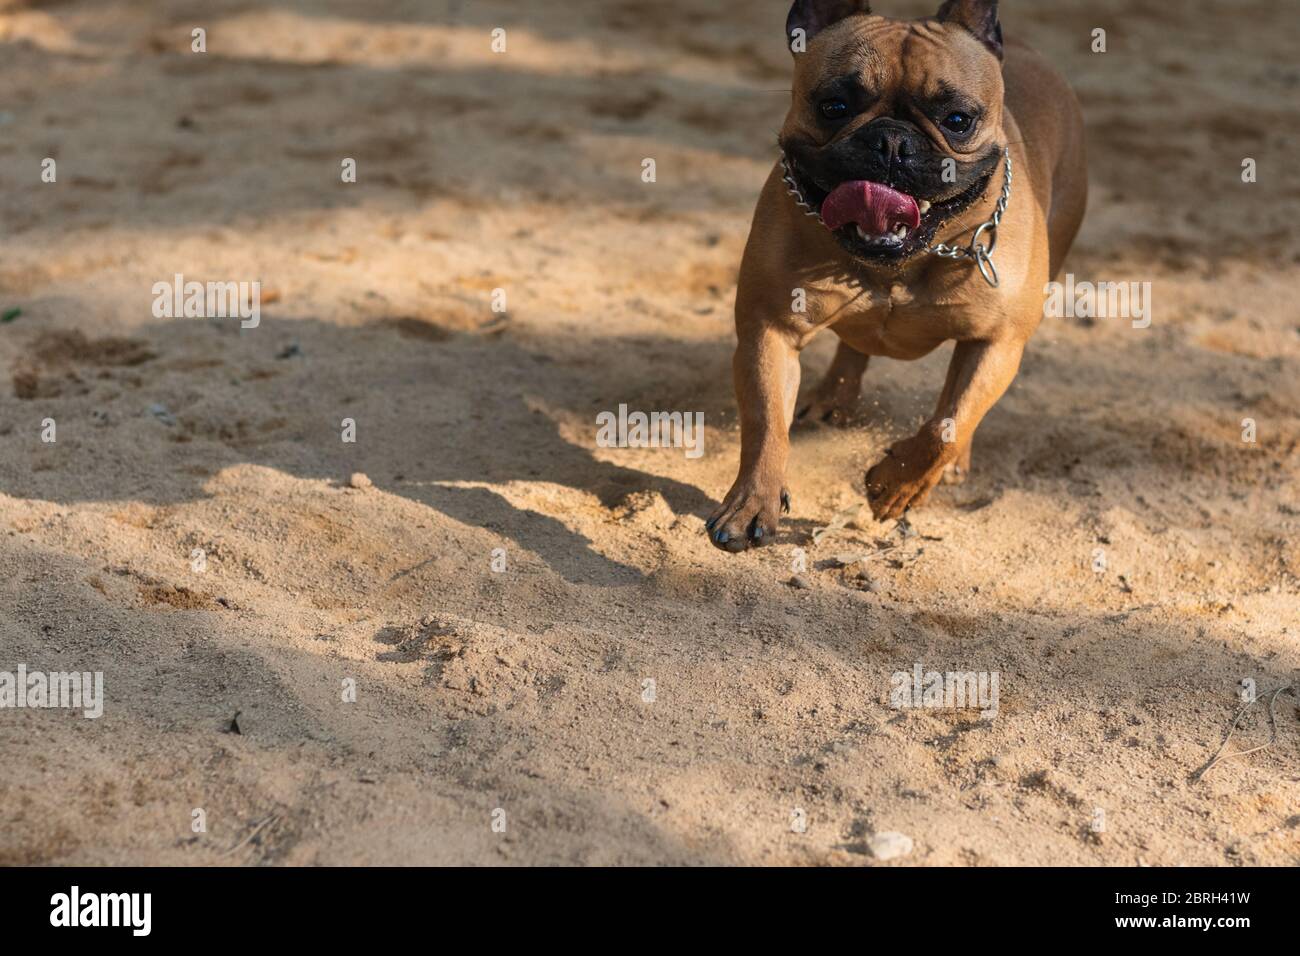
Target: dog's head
[895, 125]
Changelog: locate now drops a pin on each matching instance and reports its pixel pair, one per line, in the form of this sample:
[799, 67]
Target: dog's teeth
[901, 232]
[861, 233]
[925, 206]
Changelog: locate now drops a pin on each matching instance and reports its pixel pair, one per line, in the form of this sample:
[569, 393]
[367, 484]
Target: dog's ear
[809, 17]
[980, 17]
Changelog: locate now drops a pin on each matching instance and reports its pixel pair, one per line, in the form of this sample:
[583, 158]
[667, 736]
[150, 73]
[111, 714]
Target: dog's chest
[898, 322]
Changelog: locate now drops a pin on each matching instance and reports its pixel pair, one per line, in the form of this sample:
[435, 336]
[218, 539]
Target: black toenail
[721, 537]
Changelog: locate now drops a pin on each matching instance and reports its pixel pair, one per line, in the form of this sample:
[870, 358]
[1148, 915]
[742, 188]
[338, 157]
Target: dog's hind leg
[834, 398]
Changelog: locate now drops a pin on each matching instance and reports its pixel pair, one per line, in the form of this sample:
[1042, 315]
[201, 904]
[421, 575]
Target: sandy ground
[523, 691]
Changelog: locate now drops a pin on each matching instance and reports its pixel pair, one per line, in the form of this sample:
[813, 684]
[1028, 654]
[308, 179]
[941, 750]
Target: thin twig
[1220, 756]
[255, 831]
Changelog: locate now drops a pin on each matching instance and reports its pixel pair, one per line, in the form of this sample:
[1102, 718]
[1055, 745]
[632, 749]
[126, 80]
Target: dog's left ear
[980, 17]
[813, 16]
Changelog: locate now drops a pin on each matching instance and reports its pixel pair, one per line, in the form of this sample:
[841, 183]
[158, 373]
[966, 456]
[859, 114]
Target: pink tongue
[876, 208]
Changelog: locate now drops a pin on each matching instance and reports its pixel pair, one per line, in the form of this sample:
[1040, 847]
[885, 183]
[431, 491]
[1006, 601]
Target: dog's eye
[834, 109]
[958, 122]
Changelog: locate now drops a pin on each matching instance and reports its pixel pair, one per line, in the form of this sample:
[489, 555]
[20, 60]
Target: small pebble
[889, 845]
[359, 480]
[161, 413]
[869, 583]
[800, 582]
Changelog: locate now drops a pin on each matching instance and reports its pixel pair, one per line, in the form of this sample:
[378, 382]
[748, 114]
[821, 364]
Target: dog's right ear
[810, 17]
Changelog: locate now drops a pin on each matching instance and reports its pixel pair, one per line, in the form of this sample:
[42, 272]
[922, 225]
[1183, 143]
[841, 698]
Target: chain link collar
[981, 252]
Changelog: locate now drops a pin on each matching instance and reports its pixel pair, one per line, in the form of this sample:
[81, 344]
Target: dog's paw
[956, 472]
[904, 478]
[825, 410]
[748, 517]
[832, 403]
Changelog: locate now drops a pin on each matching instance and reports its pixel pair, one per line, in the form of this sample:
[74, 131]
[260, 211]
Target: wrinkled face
[895, 128]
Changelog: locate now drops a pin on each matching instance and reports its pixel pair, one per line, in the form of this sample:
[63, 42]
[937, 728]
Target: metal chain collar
[982, 253]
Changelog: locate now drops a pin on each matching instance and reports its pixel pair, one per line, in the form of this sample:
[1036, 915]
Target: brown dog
[910, 149]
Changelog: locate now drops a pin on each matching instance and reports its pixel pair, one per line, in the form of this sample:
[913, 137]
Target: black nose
[894, 142]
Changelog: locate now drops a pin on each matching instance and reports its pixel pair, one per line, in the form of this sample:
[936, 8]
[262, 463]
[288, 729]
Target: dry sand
[523, 690]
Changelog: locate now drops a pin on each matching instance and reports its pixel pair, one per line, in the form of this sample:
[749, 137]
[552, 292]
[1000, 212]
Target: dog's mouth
[877, 221]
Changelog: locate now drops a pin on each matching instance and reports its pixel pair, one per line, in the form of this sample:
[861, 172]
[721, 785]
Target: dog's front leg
[977, 377]
[766, 370]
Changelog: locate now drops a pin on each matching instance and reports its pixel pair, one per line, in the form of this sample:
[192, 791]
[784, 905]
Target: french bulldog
[931, 180]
